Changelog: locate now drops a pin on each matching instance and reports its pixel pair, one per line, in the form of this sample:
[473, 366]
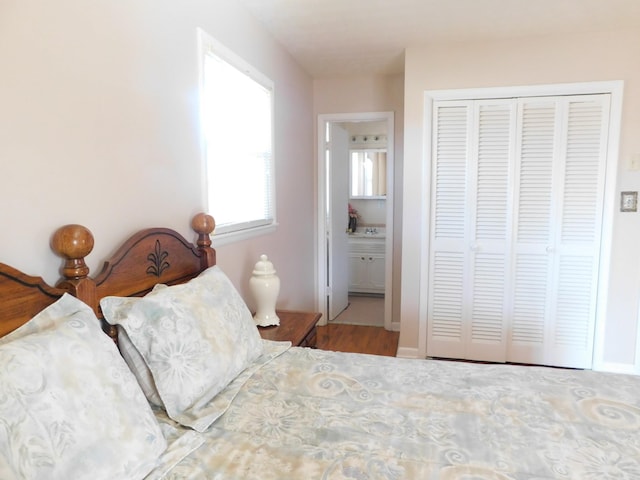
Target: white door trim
[321, 239]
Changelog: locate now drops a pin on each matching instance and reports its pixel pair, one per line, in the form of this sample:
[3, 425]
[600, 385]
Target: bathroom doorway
[333, 176]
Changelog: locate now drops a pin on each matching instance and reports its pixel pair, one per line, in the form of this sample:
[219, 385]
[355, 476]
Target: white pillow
[139, 367]
[195, 338]
[69, 406]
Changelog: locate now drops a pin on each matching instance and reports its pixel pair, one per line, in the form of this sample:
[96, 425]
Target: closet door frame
[615, 89]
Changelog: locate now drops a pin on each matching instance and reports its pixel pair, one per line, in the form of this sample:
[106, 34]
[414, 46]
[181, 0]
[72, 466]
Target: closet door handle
[474, 247]
[550, 249]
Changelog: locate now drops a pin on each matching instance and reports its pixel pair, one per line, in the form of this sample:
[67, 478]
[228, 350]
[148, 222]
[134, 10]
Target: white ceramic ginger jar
[265, 286]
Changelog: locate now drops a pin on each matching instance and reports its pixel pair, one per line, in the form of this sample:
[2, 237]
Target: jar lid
[264, 266]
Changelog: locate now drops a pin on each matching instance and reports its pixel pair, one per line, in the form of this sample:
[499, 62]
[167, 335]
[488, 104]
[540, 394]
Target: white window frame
[235, 231]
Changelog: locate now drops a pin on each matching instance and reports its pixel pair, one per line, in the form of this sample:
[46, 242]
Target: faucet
[371, 231]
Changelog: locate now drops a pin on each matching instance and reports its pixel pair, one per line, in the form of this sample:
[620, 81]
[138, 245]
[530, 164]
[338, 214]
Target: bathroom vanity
[367, 262]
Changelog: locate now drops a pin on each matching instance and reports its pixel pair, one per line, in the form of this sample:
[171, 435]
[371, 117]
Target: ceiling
[363, 37]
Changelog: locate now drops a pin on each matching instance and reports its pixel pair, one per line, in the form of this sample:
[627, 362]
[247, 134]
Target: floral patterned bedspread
[313, 414]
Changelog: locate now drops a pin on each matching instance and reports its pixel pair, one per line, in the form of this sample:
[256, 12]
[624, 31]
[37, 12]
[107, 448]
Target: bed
[192, 392]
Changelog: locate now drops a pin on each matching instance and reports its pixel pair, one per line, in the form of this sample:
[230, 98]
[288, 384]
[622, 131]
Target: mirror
[368, 173]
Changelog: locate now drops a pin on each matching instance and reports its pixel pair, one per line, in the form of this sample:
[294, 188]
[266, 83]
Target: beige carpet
[363, 310]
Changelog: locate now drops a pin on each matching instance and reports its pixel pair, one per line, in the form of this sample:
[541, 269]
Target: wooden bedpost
[73, 243]
[204, 225]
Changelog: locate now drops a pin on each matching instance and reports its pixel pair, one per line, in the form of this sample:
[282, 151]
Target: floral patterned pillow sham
[195, 338]
[70, 407]
[139, 368]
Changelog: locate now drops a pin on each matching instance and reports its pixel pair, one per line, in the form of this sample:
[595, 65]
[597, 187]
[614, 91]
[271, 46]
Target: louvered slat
[574, 300]
[582, 173]
[536, 168]
[530, 300]
[446, 301]
[488, 298]
[450, 172]
[492, 184]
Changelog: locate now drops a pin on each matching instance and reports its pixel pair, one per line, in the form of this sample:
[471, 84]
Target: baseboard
[406, 352]
[612, 367]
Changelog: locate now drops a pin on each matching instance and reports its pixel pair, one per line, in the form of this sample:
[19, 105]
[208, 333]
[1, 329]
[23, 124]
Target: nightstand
[297, 327]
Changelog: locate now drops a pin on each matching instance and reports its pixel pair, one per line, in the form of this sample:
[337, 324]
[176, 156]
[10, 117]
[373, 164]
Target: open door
[332, 239]
[338, 167]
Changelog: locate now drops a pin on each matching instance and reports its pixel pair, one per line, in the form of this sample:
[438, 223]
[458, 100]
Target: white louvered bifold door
[558, 219]
[535, 210]
[516, 214]
[448, 255]
[471, 224]
[489, 228]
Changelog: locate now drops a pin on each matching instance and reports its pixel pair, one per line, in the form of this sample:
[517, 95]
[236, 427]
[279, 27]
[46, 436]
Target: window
[237, 128]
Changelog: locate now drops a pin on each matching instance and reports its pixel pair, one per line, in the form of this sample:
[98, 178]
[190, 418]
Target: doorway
[333, 218]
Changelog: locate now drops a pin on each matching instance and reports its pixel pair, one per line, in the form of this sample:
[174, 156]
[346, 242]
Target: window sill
[239, 235]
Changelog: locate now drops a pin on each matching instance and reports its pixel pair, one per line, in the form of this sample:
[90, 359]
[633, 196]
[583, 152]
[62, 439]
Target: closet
[516, 218]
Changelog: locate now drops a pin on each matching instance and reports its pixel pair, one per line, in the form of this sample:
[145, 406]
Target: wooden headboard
[149, 257]
[22, 297]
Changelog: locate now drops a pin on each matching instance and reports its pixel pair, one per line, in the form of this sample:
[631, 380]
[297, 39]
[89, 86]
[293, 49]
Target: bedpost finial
[203, 224]
[73, 243]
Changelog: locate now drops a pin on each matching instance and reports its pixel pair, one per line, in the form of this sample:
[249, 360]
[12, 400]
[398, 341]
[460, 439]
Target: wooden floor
[358, 339]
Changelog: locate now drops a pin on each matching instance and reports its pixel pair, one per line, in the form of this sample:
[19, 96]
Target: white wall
[526, 61]
[372, 94]
[371, 212]
[99, 126]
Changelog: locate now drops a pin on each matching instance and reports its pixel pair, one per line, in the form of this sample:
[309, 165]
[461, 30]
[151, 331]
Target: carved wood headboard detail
[149, 257]
[22, 297]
